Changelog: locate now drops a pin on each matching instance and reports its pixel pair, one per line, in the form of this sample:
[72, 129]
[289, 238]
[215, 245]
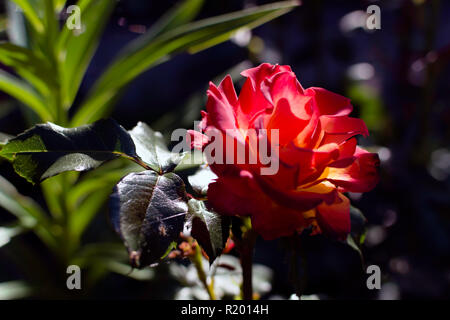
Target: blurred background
[399, 82]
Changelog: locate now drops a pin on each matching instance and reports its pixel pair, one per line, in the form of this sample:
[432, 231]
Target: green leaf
[29, 213]
[25, 94]
[152, 149]
[358, 230]
[31, 14]
[47, 149]
[35, 70]
[59, 5]
[148, 211]
[87, 210]
[76, 47]
[174, 18]
[91, 253]
[201, 180]
[190, 37]
[112, 257]
[210, 229]
[358, 225]
[179, 15]
[14, 290]
[191, 160]
[125, 270]
[351, 242]
[90, 193]
[51, 24]
[105, 177]
[9, 232]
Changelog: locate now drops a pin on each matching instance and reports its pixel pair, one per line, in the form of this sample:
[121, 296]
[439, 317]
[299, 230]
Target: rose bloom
[318, 155]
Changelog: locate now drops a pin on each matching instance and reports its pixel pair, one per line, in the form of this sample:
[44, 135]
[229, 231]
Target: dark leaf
[148, 212]
[358, 230]
[151, 148]
[210, 229]
[47, 149]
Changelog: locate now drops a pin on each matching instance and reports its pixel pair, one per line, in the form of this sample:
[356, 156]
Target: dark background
[399, 82]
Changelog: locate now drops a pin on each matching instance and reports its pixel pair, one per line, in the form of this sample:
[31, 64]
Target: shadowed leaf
[358, 230]
[47, 149]
[210, 229]
[151, 148]
[148, 211]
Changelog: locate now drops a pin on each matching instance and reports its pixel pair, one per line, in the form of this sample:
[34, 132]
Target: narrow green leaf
[210, 229]
[9, 232]
[193, 36]
[25, 94]
[47, 149]
[59, 5]
[148, 212]
[104, 251]
[125, 270]
[86, 211]
[152, 149]
[90, 193]
[31, 14]
[29, 213]
[34, 69]
[51, 24]
[174, 18]
[76, 47]
[14, 290]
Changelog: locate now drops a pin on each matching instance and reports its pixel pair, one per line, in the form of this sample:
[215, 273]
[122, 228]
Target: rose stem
[197, 260]
[246, 256]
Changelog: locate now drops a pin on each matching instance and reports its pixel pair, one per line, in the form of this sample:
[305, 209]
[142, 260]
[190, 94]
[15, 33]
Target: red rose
[317, 153]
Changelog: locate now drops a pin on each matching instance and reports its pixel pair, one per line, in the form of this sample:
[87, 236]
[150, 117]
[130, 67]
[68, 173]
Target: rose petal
[361, 176]
[334, 219]
[330, 103]
[221, 105]
[339, 129]
[251, 99]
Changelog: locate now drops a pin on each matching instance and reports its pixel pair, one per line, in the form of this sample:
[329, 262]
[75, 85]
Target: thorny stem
[197, 261]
